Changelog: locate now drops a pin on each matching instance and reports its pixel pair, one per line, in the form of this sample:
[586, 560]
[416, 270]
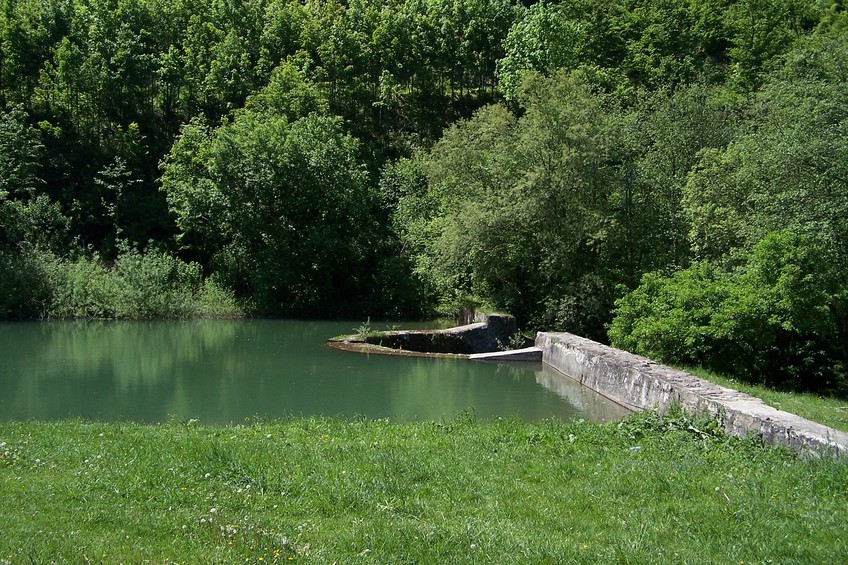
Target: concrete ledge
[369, 348]
[480, 336]
[639, 383]
[526, 354]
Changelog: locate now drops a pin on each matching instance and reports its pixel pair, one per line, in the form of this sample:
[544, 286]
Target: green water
[233, 371]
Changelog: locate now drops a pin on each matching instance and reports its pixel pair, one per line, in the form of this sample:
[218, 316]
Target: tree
[283, 208]
[516, 212]
[790, 170]
[543, 40]
[30, 224]
[762, 30]
[21, 152]
[658, 142]
[768, 300]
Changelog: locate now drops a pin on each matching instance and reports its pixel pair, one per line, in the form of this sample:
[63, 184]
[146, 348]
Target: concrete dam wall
[639, 383]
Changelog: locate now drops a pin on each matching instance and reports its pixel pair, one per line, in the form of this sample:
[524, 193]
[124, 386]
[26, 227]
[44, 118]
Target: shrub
[670, 318]
[213, 300]
[79, 288]
[23, 289]
[155, 285]
[152, 284]
[777, 320]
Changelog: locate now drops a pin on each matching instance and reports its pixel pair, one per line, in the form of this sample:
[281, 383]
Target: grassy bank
[649, 489]
[825, 410]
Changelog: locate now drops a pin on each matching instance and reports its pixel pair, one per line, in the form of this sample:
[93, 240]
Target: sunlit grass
[648, 489]
[825, 410]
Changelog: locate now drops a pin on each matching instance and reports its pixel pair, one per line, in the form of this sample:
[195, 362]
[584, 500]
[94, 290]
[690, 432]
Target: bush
[155, 285]
[669, 318]
[214, 300]
[778, 320]
[140, 285]
[79, 288]
[23, 289]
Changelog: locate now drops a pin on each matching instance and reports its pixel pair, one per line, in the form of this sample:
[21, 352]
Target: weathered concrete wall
[478, 337]
[525, 354]
[429, 341]
[639, 383]
[484, 335]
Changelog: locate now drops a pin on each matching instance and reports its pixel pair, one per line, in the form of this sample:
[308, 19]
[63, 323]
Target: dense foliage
[671, 172]
[767, 298]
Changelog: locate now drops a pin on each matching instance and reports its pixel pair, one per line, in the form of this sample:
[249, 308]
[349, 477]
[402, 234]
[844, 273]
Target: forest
[669, 176]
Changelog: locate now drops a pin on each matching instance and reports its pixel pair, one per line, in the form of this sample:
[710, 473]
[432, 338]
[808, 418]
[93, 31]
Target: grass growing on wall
[647, 489]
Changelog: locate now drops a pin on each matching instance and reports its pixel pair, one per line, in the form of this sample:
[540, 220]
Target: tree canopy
[667, 175]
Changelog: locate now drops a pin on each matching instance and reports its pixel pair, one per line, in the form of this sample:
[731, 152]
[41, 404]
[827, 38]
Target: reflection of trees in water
[219, 369]
[422, 389]
[594, 406]
[418, 389]
[144, 353]
[226, 371]
[135, 353]
[102, 369]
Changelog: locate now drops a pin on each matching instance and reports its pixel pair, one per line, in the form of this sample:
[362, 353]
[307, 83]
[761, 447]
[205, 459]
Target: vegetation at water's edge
[139, 285]
[648, 489]
[668, 176]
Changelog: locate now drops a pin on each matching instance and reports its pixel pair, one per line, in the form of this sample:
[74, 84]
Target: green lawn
[648, 489]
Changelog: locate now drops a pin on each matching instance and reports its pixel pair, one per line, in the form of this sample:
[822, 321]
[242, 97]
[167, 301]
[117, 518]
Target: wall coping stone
[524, 354]
[639, 383]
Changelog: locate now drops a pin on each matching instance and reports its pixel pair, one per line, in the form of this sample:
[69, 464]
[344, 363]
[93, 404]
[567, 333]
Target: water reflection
[580, 397]
[229, 371]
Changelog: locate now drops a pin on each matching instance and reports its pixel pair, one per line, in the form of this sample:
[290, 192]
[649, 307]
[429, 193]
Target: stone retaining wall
[483, 335]
[639, 383]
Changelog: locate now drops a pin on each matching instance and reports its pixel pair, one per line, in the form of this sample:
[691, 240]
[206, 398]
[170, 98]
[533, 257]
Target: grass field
[649, 489]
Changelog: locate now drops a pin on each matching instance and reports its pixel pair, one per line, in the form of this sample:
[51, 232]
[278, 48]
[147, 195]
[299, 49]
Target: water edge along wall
[639, 383]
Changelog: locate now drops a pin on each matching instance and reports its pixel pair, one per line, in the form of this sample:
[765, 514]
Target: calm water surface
[223, 372]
